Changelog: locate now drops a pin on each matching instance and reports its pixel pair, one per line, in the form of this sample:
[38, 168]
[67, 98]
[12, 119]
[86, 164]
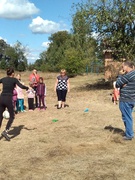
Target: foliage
[21, 59]
[66, 51]
[12, 56]
[55, 52]
[73, 63]
[96, 25]
[113, 22]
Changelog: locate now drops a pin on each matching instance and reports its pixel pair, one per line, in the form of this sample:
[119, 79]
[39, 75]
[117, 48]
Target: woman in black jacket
[8, 82]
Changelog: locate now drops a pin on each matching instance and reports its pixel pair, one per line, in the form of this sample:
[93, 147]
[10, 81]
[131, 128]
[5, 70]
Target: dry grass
[76, 147]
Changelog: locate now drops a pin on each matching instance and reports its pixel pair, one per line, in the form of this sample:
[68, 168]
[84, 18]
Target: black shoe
[5, 135]
[126, 138]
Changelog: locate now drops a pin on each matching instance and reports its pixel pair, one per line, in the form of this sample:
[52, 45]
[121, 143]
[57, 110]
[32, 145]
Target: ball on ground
[6, 114]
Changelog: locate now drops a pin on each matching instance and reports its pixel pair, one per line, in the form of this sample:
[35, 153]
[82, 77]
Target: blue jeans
[126, 109]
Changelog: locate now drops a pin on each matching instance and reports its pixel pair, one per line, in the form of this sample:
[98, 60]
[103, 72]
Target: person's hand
[27, 89]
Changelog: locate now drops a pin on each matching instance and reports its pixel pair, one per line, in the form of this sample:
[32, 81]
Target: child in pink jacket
[20, 96]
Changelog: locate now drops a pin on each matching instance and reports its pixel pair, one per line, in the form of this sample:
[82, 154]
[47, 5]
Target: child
[41, 93]
[116, 93]
[20, 96]
[31, 96]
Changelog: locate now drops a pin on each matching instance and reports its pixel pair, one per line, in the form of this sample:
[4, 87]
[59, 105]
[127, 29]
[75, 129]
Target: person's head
[10, 72]
[128, 66]
[34, 71]
[63, 72]
[41, 80]
[18, 76]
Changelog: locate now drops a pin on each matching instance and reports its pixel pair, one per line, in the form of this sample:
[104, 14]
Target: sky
[31, 22]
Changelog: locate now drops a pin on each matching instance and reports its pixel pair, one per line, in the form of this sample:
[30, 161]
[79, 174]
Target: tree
[81, 28]
[83, 37]
[21, 58]
[21, 66]
[12, 60]
[55, 52]
[73, 62]
[2, 64]
[3, 46]
[7, 55]
[12, 56]
[113, 22]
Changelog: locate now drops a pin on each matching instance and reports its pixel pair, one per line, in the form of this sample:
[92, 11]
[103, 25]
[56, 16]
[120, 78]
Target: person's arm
[122, 81]
[28, 91]
[21, 85]
[56, 83]
[37, 77]
[68, 85]
[33, 91]
[44, 90]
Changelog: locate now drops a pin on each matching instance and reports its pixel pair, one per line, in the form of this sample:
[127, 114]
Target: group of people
[125, 83]
[37, 91]
[12, 97]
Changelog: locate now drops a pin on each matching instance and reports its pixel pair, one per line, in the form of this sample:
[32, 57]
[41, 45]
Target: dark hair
[10, 71]
[129, 64]
[41, 78]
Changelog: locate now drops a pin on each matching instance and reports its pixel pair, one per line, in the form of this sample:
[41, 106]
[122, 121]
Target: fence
[95, 67]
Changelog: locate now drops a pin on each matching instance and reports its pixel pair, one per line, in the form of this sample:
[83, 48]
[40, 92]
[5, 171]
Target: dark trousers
[41, 99]
[6, 102]
[36, 98]
[31, 103]
[61, 94]
[14, 104]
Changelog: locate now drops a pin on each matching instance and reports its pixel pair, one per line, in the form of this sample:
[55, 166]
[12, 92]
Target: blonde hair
[63, 71]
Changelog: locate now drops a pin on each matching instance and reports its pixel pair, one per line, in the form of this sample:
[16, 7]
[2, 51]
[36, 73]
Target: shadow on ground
[99, 85]
[66, 105]
[115, 130]
[15, 131]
